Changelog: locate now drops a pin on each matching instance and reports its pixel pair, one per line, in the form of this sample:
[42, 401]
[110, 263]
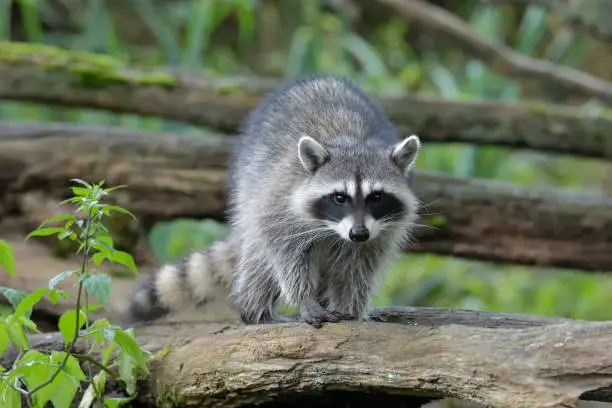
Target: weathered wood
[475, 356]
[172, 176]
[498, 56]
[43, 74]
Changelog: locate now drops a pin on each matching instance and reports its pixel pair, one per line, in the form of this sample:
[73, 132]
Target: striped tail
[195, 280]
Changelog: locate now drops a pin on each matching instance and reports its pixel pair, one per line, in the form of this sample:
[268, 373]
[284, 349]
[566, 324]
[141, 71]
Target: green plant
[42, 376]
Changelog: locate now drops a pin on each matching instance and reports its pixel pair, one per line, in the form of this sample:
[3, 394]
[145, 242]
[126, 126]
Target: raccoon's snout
[359, 234]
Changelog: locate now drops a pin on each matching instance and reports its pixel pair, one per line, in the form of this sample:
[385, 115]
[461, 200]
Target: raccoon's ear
[404, 153]
[311, 153]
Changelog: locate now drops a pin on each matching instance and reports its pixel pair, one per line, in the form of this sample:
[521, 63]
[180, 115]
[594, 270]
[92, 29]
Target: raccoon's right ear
[311, 153]
[405, 152]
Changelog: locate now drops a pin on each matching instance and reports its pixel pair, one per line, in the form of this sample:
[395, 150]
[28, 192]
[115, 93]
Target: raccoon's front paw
[342, 316]
[315, 315]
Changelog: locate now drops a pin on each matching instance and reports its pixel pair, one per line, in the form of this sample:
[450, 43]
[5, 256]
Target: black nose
[359, 234]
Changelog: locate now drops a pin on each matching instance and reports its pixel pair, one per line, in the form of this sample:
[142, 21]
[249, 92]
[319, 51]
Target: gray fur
[293, 237]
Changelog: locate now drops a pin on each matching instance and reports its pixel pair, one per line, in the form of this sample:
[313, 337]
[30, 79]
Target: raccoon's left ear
[311, 153]
[405, 152]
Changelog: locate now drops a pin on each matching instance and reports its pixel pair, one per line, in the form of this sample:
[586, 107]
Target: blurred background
[385, 53]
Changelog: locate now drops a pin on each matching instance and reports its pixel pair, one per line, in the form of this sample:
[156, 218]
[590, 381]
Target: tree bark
[489, 358]
[500, 58]
[172, 176]
[52, 76]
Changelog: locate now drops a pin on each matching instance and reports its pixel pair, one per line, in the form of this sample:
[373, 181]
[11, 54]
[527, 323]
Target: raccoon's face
[358, 192]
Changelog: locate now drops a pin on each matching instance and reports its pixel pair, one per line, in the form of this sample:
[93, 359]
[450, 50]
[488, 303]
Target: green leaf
[25, 307]
[67, 324]
[120, 210]
[127, 342]
[104, 244]
[4, 339]
[66, 383]
[107, 353]
[67, 234]
[56, 295]
[35, 368]
[99, 285]
[43, 232]
[17, 334]
[127, 371]
[91, 393]
[82, 182]
[9, 398]
[72, 366]
[95, 329]
[98, 257]
[106, 240]
[63, 389]
[125, 259]
[110, 189]
[79, 191]
[14, 296]
[7, 260]
[29, 324]
[117, 402]
[61, 217]
[60, 277]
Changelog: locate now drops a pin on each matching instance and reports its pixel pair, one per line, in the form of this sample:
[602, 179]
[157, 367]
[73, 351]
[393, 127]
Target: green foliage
[170, 240]
[56, 376]
[6, 258]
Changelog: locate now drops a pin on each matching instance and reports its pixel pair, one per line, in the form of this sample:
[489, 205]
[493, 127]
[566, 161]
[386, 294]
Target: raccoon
[319, 204]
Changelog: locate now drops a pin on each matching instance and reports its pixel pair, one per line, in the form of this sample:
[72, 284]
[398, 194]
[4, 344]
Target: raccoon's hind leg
[256, 293]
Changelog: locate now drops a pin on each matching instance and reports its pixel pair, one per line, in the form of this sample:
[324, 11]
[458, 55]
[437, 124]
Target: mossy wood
[44, 74]
[171, 176]
[495, 359]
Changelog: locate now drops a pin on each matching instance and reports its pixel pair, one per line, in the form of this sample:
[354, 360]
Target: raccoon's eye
[339, 198]
[377, 196]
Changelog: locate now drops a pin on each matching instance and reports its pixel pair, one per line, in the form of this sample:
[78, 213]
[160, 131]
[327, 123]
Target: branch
[49, 75]
[588, 16]
[172, 176]
[546, 362]
[500, 58]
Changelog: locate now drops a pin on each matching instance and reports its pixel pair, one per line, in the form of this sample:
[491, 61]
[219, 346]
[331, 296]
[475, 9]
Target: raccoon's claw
[317, 321]
[316, 316]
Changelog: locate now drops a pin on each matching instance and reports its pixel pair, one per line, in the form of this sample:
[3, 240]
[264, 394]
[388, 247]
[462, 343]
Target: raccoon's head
[358, 191]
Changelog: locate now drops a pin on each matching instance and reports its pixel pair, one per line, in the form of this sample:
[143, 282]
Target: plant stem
[78, 307]
[93, 361]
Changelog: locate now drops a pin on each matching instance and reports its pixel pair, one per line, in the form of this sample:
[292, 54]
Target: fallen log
[490, 358]
[49, 75]
[171, 176]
